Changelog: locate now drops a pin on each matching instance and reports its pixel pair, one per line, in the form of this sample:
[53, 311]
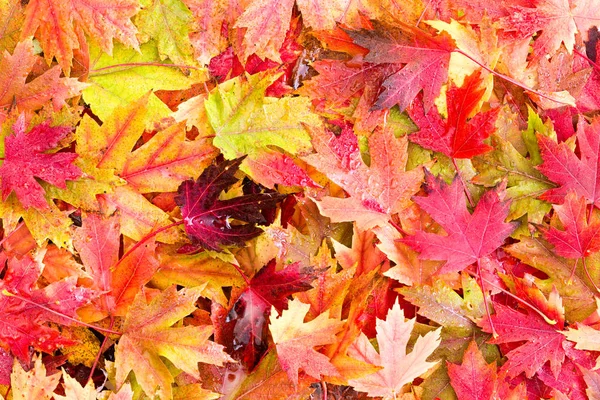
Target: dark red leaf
[267, 288]
[212, 223]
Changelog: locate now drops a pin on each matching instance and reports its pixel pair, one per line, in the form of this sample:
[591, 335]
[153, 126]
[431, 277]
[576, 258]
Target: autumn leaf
[570, 172]
[376, 191]
[399, 368]
[33, 384]
[206, 37]
[166, 160]
[59, 26]
[167, 22]
[266, 22]
[425, 60]
[75, 391]
[26, 95]
[207, 219]
[469, 236]
[463, 132]
[581, 235]
[98, 242]
[566, 19]
[474, 378]
[148, 334]
[541, 341]
[268, 288]
[25, 159]
[577, 297]
[27, 308]
[295, 340]
[245, 121]
[107, 92]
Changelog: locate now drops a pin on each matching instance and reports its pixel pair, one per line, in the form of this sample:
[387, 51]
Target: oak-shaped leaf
[25, 159]
[399, 368]
[426, 59]
[295, 340]
[268, 288]
[208, 220]
[148, 335]
[581, 237]
[469, 237]
[562, 166]
[25, 308]
[461, 135]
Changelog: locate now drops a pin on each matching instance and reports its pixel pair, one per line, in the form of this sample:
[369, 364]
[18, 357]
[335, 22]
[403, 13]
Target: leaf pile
[299, 199]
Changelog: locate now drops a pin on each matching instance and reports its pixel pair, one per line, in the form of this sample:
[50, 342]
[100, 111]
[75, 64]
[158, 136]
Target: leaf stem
[58, 313]
[464, 184]
[101, 350]
[244, 277]
[580, 54]
[509, 79]
[143, 64]
[485, 303]
[145, 239]
[587, 273]
[517, 298]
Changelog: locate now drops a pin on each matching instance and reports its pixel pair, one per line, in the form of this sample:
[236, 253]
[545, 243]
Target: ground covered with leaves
[299, 199]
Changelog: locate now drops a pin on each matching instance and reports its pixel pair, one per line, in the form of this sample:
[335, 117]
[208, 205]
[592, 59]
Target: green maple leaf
[108, 75]
[167, 22]
[524, 182]
[245, 121]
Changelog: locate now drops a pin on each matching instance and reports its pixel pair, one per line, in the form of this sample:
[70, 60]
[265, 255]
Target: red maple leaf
[572, 173]
[458, 136]
[25, 159]
[267, 288]
[580, 237]
[426, 60]
[25, 308]
[207, 219]
[474, 378]
[559, 21]
[541, 341]
[469, 236]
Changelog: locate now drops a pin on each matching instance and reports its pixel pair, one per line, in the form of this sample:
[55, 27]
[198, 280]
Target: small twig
[464, 184]
[101, 350]
[487, 310]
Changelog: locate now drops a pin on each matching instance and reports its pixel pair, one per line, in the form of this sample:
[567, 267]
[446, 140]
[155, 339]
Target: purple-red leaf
[212, 223]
